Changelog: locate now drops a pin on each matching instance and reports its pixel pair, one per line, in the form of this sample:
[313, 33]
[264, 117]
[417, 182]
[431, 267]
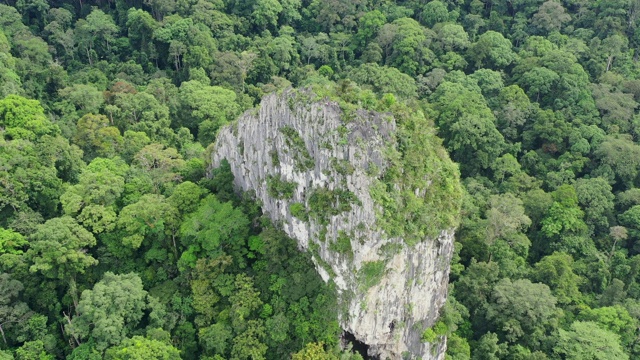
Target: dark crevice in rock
[357, 346]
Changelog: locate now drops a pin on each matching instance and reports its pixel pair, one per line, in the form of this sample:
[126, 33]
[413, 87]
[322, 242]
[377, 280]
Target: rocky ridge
[313, 171]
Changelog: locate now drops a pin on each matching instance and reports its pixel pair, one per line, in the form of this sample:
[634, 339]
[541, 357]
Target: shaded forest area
[108, 106]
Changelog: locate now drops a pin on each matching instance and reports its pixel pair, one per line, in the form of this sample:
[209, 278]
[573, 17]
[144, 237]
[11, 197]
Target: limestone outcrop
[318, 174]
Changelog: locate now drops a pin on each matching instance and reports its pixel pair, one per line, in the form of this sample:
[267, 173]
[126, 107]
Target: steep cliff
[372, 196]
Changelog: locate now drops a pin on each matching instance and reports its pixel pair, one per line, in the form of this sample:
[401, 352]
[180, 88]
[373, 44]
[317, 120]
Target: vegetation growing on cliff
[323, 203]
[279, 188]
[295, 144]
[371, 273]
[106, 107]
[420, 192]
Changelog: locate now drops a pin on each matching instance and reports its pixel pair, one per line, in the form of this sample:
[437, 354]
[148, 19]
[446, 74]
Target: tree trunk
[69, 321]
[2, 332]
[89, 56]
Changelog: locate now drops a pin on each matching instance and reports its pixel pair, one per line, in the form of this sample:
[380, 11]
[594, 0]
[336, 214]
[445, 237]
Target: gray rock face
[298, 157]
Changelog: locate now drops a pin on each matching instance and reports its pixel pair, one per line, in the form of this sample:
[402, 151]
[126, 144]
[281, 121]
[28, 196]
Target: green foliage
[383, 80]
[213, 227]
[326, 71]
[587, 340]
[12, 310]
[11, 242]
[324, 203]
[85, 351]
[342, 167]
[522, 311]
[299, 211]
[564, 216]
[492, 50]
[408, 53]
[313, 351]
[596, 198]
[468, 126]
[142, 348]
[434, 12]
[457, 348]
[488, 348]
[110, 311]
[58, 249]
[621, 155]
[537, 102]
[22, 118]
[371, 273]
[206, 107]
[186, 197]
[295, 144]
[96, 137]
[33, 350]
[556, 270]
[613, 318]
[431, 334]
[342, 245]
[279, 188]
[505, 217]
[419, 192]
[162, 164]
[92, 200]
[151, 217]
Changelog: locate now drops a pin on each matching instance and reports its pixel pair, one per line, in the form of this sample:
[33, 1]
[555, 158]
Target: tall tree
[492, 50]
[522, 311]
[58, 249]
[110, 311]
[468, 126]
[143, 348]
[585, 340]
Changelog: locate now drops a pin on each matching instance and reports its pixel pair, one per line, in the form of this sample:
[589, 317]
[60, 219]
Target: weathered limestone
[307, 145]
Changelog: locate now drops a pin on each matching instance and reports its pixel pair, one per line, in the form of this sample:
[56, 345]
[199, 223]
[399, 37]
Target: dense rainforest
[115, 245]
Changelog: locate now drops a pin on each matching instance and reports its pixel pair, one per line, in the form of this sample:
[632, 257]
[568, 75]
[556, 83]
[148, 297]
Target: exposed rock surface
[293, 152]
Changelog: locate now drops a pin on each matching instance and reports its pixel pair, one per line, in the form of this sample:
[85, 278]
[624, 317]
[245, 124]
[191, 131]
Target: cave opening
[357, 346]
